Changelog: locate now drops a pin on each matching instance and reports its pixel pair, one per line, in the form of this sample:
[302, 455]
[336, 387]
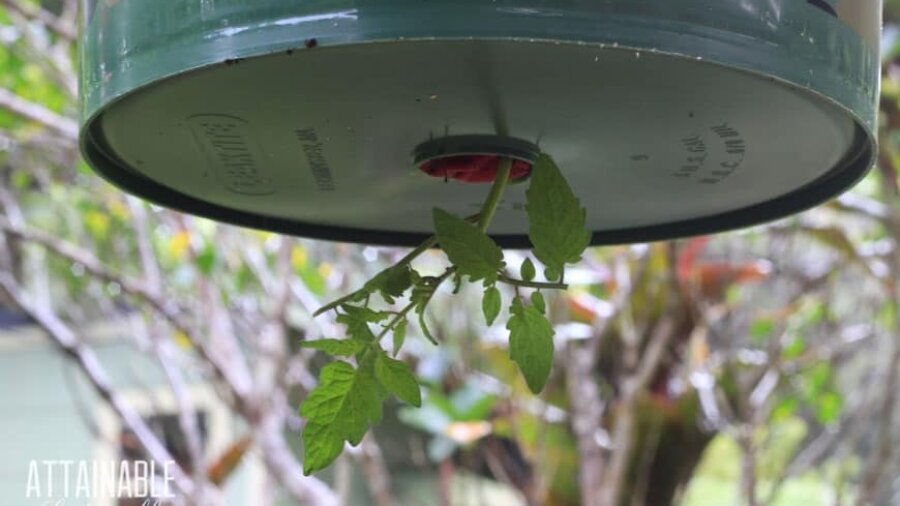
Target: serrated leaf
[357, 320]
[396, 377]
[556, 218]
[399, 335]
[527, 271]
[364, 314]
[357, 329]
[537, 300]
[343, 406]
[469, 249]
[425, 330]
[322, 444]
[531, 344]
[421, 296]
[336, 347]
[391, 282]
[552, 273]
[490, 304]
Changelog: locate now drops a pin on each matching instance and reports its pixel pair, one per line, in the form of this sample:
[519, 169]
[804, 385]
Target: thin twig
[90, 365]
[140, 291]
[162, 349]
[375, 470]
[35, 112]
[532, 284]
[45, 18]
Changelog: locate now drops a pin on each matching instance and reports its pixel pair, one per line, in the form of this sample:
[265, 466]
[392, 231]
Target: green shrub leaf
[343, 406]
[556, 218]
[396, 377]
[490, 304]
[469, 249]
[357, 320]
[399, 336]
[336, 347]
[527, 270]
[531, 344]
[391, 282]
[537, 300]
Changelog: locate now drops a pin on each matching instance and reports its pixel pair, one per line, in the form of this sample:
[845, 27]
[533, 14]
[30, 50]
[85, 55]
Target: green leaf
[425, 330]
[396, 377]
[363, 314]
[399, 336]
[794, 349]
[784, 409]
[206, 260]
[818, 377]
[537, 300]
[336, 347]
[762, 329]
[531, 344]
[527, 271]
[357, 320]
[391, 282]
[490, 304]
[422, 293]
[322, 443]
[828, 407]
[556, 219]
[421, 296]
[343, 406]
[469, 249]
[552, 273]
[357, 330]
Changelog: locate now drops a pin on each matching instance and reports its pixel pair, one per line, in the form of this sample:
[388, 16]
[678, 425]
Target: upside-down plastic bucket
[351, 119]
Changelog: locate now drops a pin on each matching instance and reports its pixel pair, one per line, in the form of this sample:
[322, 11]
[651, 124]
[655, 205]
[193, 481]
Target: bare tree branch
[883, 444]
[56, 25]
[375, 470]
[587, 420]
[632, 386]
[748, 464]
[40, 114]
[90, 365]
[166, 308]
[162, 349]
[280, 461]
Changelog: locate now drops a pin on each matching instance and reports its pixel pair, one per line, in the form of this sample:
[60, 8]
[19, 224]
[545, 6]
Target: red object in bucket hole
[473, 168]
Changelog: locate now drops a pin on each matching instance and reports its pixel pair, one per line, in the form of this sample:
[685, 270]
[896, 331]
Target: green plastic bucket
[669, 117]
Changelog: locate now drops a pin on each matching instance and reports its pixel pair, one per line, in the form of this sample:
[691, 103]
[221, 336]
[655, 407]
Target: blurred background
[754, 368]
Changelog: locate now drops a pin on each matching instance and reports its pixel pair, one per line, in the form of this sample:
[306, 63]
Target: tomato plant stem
[501, 181]
[532, 284]
[483, 219]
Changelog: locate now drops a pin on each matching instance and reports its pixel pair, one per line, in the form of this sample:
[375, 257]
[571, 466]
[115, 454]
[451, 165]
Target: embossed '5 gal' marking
[232, 153]
[314, 151]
